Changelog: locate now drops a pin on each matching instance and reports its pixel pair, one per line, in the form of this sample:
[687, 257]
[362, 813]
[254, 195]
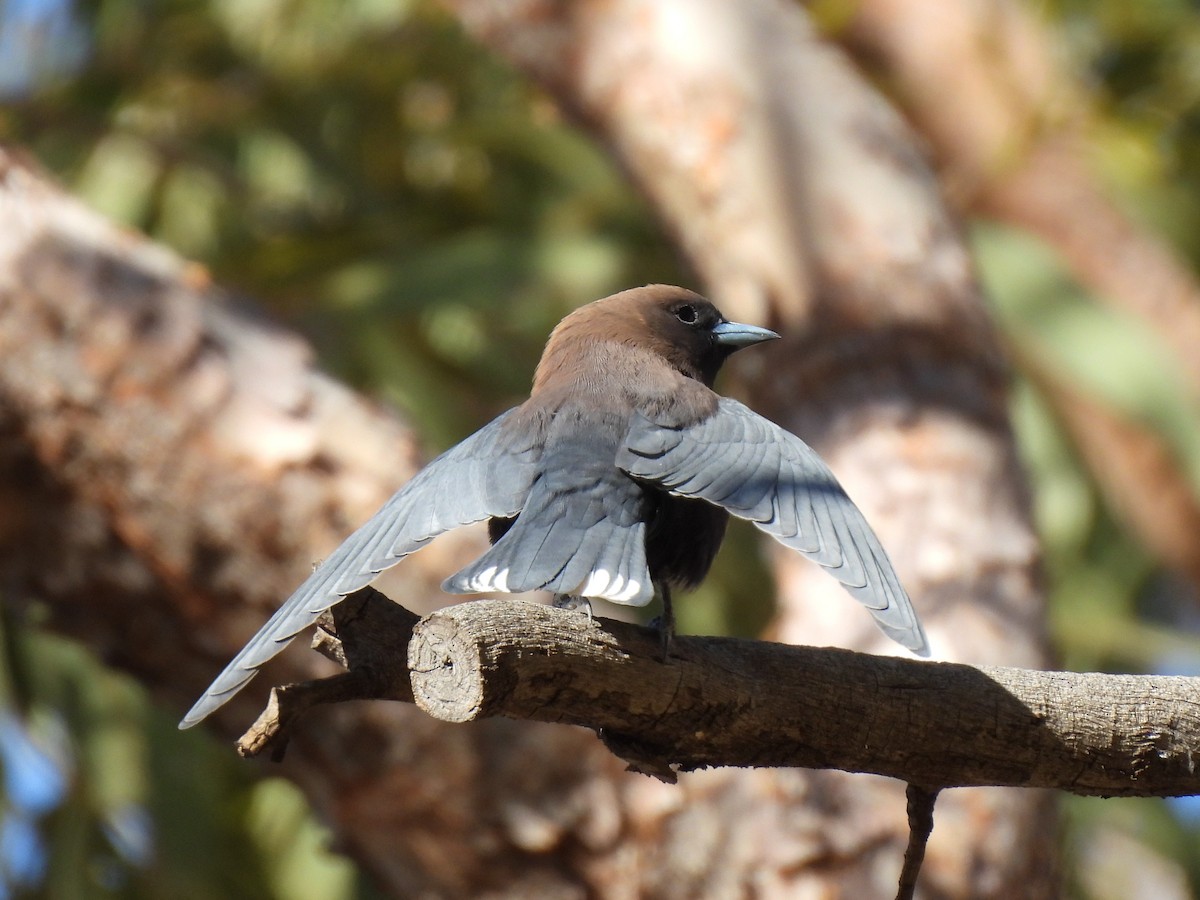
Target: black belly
[683, 539]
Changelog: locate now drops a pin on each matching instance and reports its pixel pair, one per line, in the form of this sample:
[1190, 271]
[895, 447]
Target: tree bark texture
[730, 701]
[1009, 125]
[718, 701]
[175, 466]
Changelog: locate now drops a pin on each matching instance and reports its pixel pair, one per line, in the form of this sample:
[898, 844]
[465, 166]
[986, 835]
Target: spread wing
[484, 476]
[757, 471]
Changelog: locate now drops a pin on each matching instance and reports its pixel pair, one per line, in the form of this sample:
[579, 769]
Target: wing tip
[214, 698]
[200, 711]
[920, 647]
[910, 635]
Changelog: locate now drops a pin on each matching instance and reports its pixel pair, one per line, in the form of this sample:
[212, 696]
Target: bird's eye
[686, 314]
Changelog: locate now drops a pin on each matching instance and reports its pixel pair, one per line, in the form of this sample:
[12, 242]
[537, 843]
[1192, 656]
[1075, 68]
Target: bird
[614, 480]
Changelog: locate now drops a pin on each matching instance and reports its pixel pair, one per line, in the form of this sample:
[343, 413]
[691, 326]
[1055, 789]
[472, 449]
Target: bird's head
[677, 325]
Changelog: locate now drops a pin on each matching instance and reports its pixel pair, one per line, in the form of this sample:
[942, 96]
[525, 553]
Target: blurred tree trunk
[1008, 123]
[174, 467]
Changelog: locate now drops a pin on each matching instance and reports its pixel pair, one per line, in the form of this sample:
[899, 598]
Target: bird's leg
[666, 622]
[573, 601]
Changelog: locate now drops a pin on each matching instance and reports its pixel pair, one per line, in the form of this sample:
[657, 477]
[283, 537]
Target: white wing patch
[615, 587]
[490, 579]
[598, 582]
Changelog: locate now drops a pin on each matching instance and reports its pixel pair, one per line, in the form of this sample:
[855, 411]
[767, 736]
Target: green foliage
[418, 210]
[147, 811]
[1142, 61]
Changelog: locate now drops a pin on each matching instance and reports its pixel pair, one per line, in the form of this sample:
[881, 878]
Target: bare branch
[920, 826]
[368, 635]
[736, 702]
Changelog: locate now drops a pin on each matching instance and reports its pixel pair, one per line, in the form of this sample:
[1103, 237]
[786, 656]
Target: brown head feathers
[672, 324]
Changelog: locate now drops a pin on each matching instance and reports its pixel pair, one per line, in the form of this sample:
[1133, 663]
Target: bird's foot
[573, 602]
[666, 634]
[666, 637]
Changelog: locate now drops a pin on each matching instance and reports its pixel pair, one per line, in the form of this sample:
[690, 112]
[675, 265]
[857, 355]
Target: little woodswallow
[615, 477]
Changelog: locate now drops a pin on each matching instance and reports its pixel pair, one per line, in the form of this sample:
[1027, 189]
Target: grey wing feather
[757, 471]
[580, 533]
[483, 476]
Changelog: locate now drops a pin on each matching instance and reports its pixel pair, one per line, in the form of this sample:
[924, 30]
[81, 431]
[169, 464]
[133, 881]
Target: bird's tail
[599, 557]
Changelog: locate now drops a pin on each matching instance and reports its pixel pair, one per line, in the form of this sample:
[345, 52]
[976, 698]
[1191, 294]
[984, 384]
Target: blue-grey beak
[736, 335]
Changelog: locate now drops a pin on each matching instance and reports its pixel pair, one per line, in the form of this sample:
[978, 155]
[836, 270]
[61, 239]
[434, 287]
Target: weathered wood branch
[367, 634]
[735, 702]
